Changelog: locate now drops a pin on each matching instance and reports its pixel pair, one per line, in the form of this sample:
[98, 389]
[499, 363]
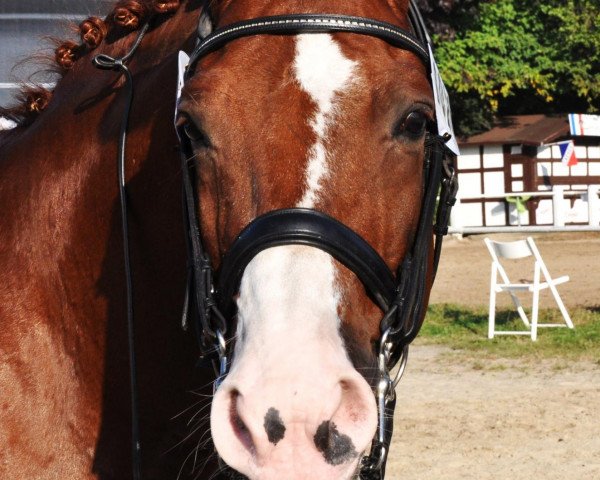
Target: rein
[105, 62]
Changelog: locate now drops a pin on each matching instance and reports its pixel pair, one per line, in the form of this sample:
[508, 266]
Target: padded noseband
[302, 226]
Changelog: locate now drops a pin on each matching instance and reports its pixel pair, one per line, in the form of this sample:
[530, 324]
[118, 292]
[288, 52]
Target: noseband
[400, 297]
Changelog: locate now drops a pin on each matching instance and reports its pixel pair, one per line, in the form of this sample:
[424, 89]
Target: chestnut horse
[332, 128]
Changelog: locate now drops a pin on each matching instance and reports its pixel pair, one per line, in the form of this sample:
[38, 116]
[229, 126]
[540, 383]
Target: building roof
[523, 130]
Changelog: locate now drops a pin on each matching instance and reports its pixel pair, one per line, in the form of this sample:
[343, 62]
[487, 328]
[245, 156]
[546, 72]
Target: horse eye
[414, 124]
[197, 136]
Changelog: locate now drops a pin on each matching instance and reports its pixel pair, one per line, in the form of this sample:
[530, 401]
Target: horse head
[327, 133]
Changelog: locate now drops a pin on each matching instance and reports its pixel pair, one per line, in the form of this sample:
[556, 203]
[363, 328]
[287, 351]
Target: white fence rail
[459, 223]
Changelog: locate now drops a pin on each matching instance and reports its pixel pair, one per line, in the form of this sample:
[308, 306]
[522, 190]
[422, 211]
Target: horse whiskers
[185, 410]
[194, 417]
[202, 395]
[202, 445]
[197, 450]
[183, 464]
[187, 437]
[207, 385]
[197, 391]
[209, 457]
[205, 432]
[206, 445]
[229, 472]
[203, 442]
[199, 471]
[220, 470]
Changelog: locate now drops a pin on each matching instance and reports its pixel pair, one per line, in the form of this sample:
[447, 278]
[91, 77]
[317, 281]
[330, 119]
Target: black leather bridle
[400, 297]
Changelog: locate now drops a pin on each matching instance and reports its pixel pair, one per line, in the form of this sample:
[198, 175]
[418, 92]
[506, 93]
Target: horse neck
[58, 190]
[61, 250]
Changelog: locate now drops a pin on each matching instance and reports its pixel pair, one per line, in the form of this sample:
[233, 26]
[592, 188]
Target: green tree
[517, 57]
[575, 49]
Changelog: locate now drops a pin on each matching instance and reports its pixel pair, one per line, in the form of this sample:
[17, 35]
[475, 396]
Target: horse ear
[205, 24]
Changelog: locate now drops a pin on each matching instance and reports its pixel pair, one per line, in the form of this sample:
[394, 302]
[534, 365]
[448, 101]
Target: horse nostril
[239, 427]
[336, 447]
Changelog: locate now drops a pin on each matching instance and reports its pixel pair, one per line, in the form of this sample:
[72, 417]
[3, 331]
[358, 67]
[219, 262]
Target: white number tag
[442, 105]
[183, 60]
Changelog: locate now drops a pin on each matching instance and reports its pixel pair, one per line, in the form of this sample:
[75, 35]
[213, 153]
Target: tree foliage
[516, 57]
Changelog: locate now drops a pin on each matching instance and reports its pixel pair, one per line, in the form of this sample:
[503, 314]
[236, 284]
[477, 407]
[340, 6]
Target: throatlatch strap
[105, 62]
[406, 320]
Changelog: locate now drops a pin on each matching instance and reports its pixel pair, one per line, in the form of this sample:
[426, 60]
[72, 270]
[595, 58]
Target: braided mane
[125, 17]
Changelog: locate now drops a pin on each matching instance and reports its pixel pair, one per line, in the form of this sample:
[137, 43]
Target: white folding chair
[517, 250]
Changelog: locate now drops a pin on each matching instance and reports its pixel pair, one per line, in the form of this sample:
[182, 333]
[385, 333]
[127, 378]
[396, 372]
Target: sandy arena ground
[460, 417]
[464, 271]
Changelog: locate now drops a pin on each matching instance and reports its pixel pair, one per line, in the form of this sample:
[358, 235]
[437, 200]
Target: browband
[313, 23]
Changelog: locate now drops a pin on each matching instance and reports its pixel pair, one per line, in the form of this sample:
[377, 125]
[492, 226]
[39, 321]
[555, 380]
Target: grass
[465, 328]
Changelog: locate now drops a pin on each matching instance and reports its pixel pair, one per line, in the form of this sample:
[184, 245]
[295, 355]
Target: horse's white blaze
[288, 295]
[291, 292]
[323, 72]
